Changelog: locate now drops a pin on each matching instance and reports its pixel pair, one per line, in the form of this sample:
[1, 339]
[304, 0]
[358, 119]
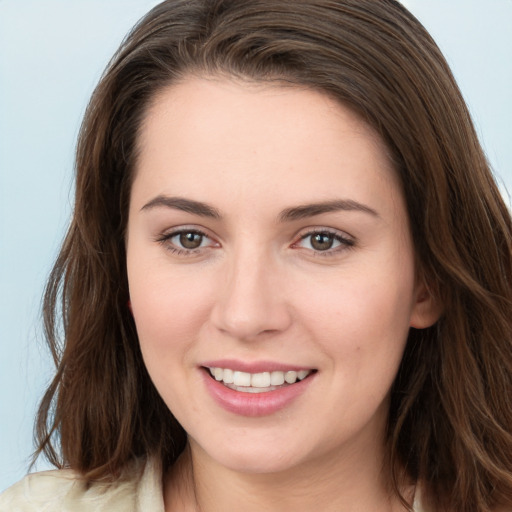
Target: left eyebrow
[310, 210]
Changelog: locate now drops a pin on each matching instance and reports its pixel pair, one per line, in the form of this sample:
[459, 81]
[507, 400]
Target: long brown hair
[450, 421]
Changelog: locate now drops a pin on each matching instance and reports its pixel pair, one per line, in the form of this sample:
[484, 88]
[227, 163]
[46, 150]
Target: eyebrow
[310, 210]
[288, 215]
[185, 205]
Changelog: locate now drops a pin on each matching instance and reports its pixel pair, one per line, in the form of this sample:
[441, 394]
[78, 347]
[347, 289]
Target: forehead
[201, 135]
[207, 102]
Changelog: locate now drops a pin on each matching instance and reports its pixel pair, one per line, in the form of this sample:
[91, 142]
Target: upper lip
[254, 366]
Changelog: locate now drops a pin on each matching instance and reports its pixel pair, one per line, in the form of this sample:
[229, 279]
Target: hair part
[450, 416]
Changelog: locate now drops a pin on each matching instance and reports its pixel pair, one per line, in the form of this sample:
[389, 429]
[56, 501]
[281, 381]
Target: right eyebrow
[185, 205]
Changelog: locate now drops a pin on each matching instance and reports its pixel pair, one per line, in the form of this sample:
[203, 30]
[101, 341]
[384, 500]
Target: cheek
[169, 315]
[168, 306]
[362, 316]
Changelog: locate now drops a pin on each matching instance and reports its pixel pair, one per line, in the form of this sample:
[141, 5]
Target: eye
[186, 241]
[324, 241]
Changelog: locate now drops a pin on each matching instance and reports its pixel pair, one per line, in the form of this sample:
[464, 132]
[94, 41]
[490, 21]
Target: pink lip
[254, 404]
[253, 367]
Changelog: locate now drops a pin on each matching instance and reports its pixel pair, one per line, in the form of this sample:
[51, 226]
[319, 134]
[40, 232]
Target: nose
[253, 301]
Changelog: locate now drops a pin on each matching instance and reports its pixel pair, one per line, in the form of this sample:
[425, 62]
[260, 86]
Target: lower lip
[255, 404]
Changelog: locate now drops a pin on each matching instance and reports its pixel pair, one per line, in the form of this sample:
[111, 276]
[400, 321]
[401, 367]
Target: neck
[349, 484]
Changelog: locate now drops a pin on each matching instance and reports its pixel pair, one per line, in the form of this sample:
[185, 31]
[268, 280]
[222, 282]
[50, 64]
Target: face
[271, 272]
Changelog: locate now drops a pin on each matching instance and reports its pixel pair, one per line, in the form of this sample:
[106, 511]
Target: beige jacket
[140, 490]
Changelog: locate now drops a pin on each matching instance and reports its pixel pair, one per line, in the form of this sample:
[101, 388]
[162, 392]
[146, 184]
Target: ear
[427, 307]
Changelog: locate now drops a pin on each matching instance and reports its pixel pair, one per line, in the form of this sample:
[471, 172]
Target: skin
[258, 289]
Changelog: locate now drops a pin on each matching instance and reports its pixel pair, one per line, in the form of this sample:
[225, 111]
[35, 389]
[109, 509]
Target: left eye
[323, 241]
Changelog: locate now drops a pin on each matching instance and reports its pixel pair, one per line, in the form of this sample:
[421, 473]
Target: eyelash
[345, 242]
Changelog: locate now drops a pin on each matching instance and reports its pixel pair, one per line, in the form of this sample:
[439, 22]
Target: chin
[256, 457]
[254, 464]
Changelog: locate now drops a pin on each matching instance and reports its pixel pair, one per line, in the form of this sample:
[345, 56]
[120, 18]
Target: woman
[286, 280]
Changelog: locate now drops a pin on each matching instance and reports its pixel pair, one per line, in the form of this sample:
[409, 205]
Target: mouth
[261, 382]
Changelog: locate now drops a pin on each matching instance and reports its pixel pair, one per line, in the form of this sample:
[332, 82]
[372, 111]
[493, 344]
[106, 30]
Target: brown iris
[322, 241]
[190, 240]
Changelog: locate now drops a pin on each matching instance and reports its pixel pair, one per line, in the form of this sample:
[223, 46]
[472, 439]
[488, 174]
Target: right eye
[186, 241]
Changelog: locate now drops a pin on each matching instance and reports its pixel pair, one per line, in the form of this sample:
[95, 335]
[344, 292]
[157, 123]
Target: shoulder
[48, 490]
[65, 491]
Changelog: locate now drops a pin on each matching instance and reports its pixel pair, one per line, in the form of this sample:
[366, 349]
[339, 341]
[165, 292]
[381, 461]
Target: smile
[266, 390]
[257, 382]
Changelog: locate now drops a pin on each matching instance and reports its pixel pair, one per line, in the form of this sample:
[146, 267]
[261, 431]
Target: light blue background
[52, 53]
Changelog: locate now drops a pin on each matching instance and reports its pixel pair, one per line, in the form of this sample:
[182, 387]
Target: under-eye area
[257, 382]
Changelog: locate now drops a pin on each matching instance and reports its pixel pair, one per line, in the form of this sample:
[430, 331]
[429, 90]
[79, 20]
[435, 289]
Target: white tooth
[277, 378]
[212, 371]
[290, 377]
[302, 374]
[241, 379]
[249, 389]
[260, 380]
[219, 373]
[228, 376]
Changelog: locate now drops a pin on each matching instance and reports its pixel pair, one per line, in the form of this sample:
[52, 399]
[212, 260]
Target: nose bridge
[251, 301]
